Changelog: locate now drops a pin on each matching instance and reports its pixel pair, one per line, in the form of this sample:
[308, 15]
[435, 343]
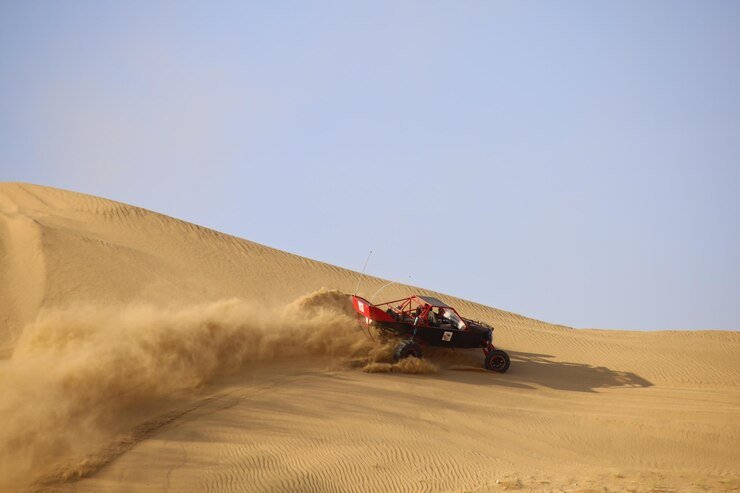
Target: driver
[445, 317]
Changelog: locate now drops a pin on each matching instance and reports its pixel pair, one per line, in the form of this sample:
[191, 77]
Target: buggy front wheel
[497, 360]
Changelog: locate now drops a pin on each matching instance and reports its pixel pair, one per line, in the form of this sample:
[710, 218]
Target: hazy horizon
[576, 163]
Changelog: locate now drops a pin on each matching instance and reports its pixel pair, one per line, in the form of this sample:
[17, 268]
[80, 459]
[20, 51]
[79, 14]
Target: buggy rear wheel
[497, 360]
[406, 348]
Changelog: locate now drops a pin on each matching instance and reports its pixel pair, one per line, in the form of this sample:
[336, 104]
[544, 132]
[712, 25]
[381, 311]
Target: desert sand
[143, 353]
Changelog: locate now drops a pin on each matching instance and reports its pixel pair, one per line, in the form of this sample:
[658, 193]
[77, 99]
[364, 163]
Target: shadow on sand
[531, 370]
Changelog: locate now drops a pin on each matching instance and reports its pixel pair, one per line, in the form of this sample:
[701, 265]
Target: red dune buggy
[427, 321]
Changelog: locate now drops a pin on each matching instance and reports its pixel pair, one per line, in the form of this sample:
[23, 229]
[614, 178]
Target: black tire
[407, 348]
[497, 361]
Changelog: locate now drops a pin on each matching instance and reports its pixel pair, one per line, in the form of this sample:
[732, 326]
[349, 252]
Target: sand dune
[140, 352]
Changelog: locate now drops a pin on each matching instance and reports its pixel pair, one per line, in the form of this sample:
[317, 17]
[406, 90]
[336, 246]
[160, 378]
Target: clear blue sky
[577, 162]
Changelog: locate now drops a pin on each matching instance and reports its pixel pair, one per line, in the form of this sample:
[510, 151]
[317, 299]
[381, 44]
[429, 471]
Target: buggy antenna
[381, 288]
[363, 272]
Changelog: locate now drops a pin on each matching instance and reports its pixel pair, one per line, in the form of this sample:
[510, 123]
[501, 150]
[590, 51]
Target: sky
[576, 162]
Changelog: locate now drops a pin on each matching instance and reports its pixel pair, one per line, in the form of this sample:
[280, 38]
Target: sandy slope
[146, 353]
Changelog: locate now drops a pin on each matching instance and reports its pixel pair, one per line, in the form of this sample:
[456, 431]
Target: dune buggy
[427, 321]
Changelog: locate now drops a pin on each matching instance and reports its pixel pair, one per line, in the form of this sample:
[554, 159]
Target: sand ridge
[229, 388]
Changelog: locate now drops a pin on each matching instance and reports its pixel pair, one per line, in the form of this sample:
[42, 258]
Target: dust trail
[82, 375]
[408, 365]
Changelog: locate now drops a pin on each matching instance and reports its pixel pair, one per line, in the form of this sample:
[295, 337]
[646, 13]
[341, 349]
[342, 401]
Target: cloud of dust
[79, 376]
[408, 365]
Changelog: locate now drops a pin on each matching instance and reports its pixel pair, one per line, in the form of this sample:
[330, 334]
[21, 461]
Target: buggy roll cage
[418, 307]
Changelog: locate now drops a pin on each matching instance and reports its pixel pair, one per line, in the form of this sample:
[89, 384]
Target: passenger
[432, 318]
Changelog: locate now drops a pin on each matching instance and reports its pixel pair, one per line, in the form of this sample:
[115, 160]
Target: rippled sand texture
[143, 353]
